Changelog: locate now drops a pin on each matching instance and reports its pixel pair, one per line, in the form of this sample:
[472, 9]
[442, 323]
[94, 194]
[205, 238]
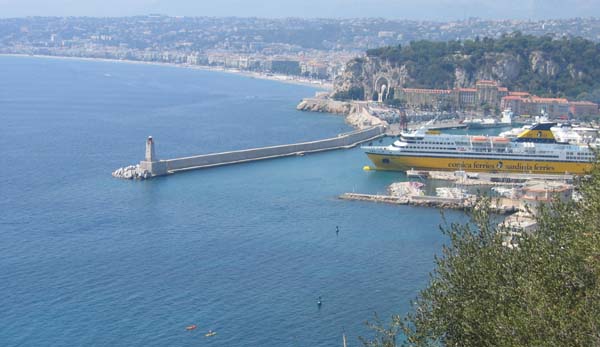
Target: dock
[427, 201]
[388, 199]
[153, 167]
[488, 178]
[500, 206]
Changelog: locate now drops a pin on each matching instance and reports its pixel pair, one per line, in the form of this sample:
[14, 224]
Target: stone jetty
[151, 166]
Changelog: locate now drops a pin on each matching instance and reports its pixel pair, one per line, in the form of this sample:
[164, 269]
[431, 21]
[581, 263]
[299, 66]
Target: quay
[488, 178]
[152, 167]
[517, 195]
[375, 198]
[499, 206]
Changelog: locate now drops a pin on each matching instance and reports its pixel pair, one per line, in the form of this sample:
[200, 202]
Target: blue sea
[244, 250]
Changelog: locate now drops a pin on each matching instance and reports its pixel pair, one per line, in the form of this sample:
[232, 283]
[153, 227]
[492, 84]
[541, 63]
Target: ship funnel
[540, 132]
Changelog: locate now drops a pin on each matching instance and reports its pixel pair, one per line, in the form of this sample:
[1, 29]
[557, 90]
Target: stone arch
[382, 83]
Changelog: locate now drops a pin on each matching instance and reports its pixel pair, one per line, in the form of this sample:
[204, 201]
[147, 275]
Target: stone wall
[208, 160]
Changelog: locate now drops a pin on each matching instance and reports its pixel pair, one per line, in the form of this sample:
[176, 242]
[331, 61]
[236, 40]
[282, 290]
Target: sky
[393, 9]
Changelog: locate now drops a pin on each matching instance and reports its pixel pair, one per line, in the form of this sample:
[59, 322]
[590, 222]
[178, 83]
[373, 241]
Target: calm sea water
[243, 250]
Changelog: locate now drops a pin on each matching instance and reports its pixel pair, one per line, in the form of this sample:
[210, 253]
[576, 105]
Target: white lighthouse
[150, 154]
[151, 163]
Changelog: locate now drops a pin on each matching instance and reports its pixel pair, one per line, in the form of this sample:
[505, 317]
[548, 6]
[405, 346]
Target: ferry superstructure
[535, 150]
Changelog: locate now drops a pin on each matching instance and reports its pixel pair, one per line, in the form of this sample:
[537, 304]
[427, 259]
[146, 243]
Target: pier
[499, 205]
[488, 178]
[152, 167]
[426, 201]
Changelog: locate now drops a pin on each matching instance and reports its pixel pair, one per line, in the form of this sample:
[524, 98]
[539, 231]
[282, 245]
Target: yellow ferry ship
[535, 150]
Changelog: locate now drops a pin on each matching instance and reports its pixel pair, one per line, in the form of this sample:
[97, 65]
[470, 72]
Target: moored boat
[534, 150]
[486, 123]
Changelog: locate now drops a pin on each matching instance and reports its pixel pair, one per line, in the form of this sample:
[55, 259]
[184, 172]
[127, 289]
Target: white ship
[535, 150]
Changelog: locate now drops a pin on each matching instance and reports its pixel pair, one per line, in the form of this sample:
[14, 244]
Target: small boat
[210, 333]
[191, 327]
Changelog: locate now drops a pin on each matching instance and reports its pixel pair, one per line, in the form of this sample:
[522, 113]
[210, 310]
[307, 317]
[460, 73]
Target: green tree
[544, 292]
[354, 93]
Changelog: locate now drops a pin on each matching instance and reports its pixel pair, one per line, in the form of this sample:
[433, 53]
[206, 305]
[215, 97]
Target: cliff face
[356, 114]
[545, 66]
[371, 73]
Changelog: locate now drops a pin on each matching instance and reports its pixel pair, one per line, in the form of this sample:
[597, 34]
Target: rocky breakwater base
[357, 112]
[132, 172]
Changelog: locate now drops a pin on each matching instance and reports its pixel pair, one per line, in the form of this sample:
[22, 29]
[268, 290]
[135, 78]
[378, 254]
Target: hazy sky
[402, 9]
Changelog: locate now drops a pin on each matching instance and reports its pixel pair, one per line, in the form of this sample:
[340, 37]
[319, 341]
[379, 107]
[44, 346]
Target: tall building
[487, 93]
[467, 98]
[424, 98]
[526, 104]
[491, 94]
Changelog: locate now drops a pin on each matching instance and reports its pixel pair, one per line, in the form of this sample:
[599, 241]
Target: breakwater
[499, 206]
[151, 166]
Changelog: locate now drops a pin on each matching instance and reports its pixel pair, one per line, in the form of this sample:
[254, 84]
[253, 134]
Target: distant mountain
[545, 66]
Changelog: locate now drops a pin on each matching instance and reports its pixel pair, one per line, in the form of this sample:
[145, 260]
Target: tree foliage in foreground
[546, 292]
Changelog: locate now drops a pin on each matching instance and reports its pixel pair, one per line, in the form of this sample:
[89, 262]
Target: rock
[132, 172]
[363, 119]
[324, 105]
[543, 65]
[369, 74]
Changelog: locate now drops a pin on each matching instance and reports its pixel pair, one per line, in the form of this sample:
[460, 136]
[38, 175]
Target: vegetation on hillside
[545, 292]
[354, 93]
[433, 64]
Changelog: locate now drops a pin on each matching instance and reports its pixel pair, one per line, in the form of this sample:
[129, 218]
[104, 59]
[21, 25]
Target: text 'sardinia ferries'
[535, 150]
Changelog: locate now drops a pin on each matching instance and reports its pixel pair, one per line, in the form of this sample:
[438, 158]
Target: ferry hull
[404, 163]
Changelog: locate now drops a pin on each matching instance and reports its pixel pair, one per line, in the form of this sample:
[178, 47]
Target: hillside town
[313, 48]
[490, 97]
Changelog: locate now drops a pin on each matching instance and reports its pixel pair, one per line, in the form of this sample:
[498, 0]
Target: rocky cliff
[541, 66]
[357, 115]
[324, 105]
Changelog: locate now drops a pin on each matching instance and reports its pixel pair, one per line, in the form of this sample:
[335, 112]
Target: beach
[318, 84]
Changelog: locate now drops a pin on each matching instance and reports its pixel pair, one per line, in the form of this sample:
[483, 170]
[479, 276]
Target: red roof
[538, 99]
[512, 97]
[519, 93]
[467, 90]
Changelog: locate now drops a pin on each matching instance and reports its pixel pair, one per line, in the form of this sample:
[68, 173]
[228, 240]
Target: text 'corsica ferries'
[535, 150]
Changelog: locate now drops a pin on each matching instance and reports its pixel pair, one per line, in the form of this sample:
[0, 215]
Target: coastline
[250, 74]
